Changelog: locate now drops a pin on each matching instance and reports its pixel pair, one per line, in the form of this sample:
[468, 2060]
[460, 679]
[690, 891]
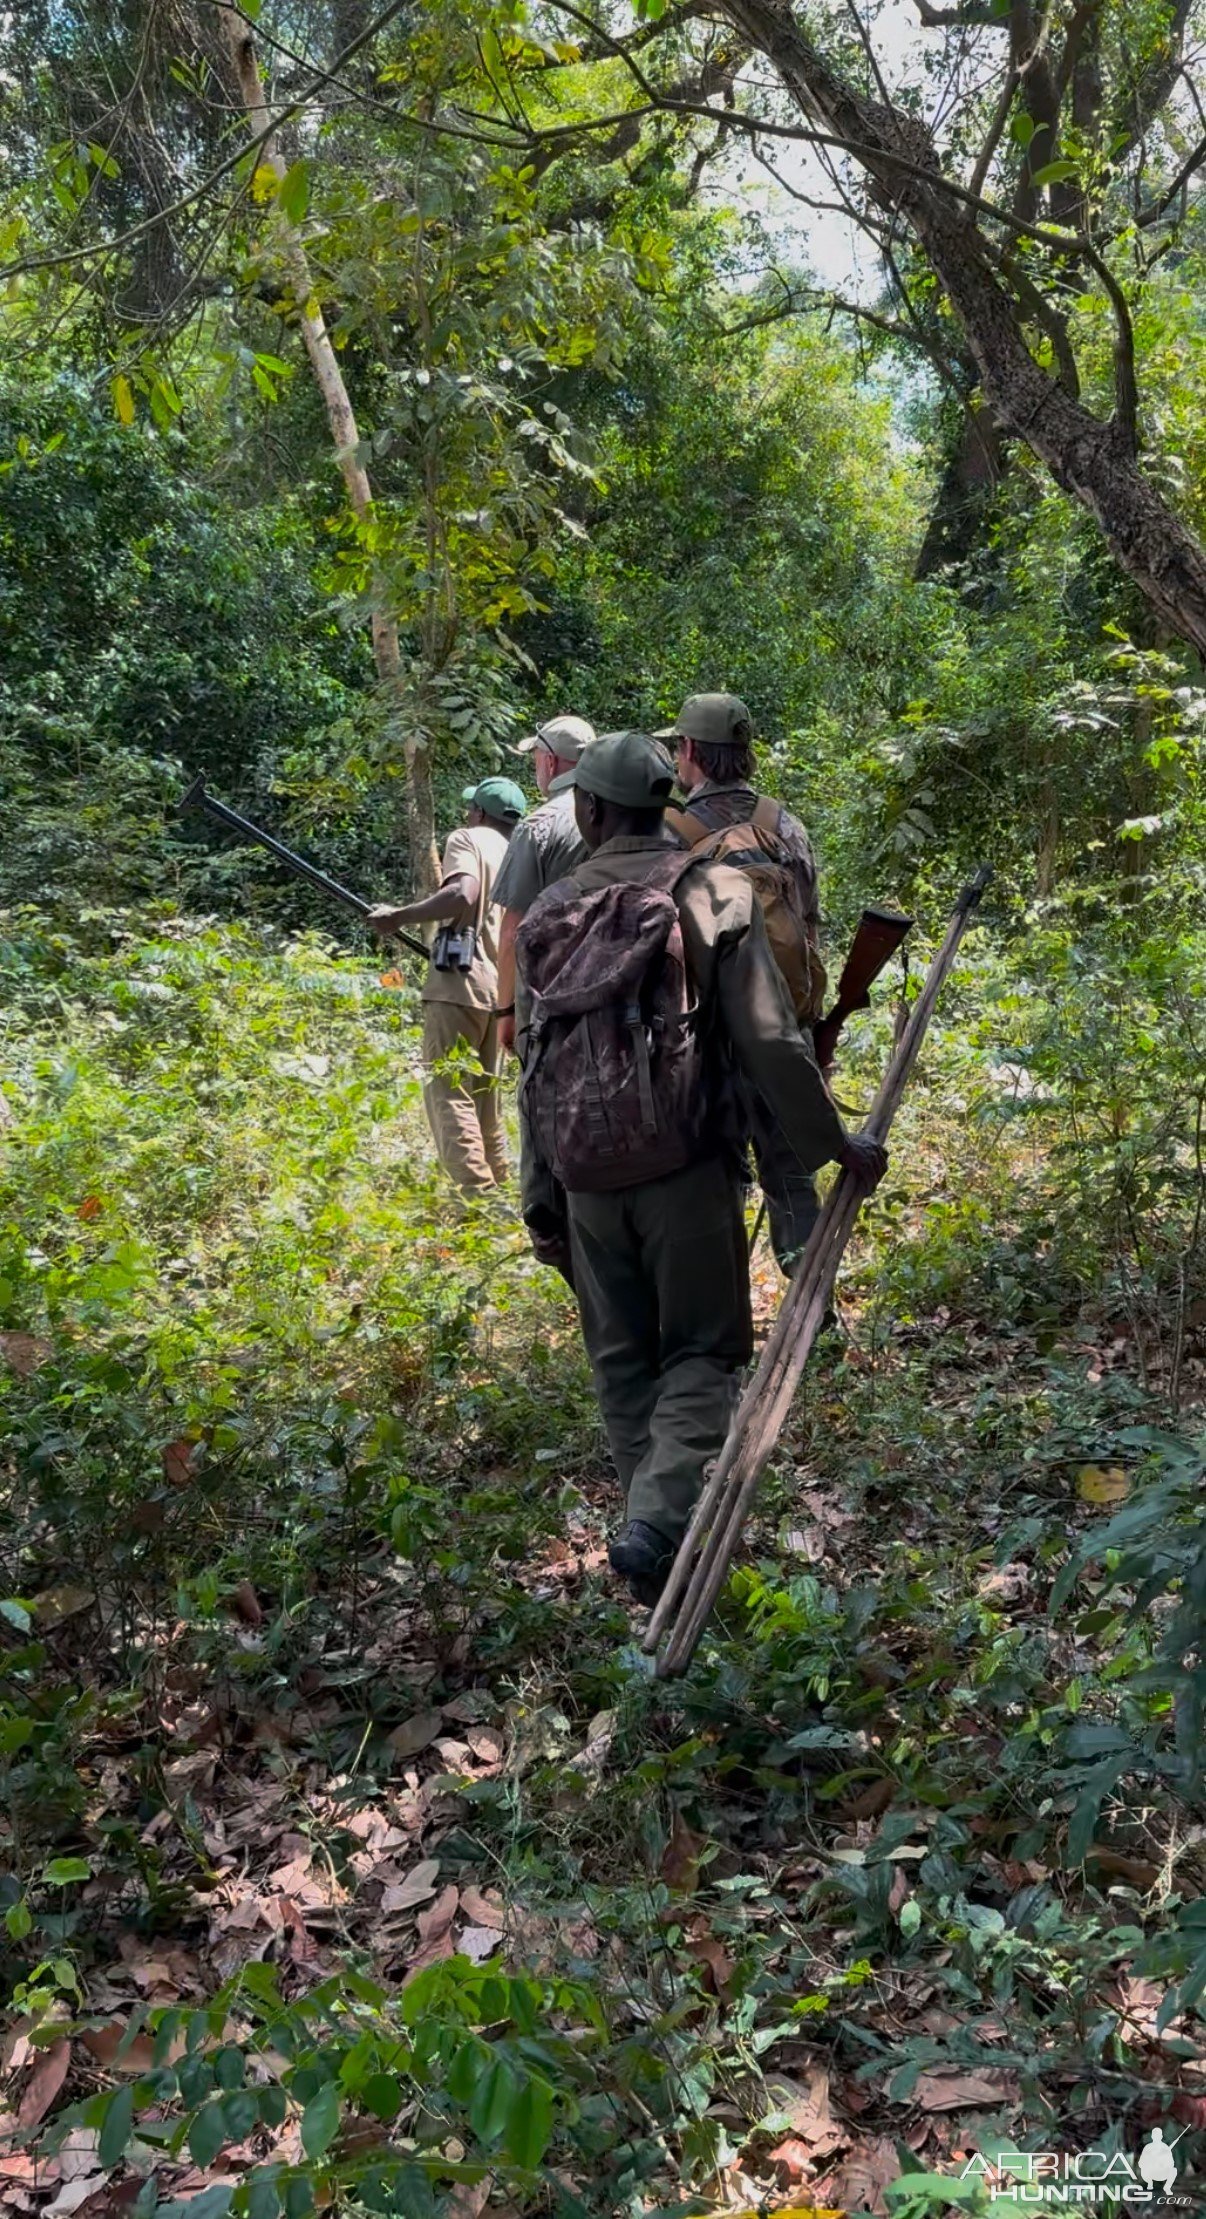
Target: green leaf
[18, 1921]
[320, 2121]
[263, 2198]
[61, 1872]
[1053, 173]
[229, 2067]
[382, 2095]
[16, 1614]
[241, 2113]
[1083, 1823]
[251, 9]
[212, 2203]
[293, 198]
[493, 2100]
[118, 2127]
[207, 2134]
[529, 2124]
[910, 1917]
[123, 400]
[1022, 129]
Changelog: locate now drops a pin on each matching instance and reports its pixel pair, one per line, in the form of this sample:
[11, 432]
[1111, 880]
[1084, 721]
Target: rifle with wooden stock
[198, 797]
[880, 933]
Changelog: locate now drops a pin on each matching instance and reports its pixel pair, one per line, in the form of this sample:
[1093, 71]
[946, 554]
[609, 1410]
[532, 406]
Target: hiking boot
[642, 1556]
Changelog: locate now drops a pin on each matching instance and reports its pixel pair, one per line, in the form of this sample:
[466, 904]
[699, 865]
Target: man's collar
[712, 786]
[561, 784]
[633, 843]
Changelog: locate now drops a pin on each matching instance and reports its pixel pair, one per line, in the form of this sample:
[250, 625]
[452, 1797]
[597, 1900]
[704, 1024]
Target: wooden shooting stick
[693, 1586]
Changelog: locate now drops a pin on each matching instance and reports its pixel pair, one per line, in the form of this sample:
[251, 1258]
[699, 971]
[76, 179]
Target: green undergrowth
[304, 1505]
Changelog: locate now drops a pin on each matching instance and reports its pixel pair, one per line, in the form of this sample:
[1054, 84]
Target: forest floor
[355, 1860]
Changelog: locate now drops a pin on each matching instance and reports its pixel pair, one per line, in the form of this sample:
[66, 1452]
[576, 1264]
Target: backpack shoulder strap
[766, 814]
[690, 828]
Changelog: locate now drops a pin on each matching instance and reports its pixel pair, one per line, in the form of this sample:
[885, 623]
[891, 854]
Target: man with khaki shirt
[460, 992]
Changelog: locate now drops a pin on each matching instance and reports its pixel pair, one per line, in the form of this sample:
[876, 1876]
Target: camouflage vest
[612, 1092]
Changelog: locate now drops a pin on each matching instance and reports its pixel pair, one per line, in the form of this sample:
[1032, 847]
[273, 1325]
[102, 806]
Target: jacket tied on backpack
[612, 1092]
[754, 843]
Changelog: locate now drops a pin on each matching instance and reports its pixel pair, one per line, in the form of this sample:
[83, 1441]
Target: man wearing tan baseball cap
[543, 848]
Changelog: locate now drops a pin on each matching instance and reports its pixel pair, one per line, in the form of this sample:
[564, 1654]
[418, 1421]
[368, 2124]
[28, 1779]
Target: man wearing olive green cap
[714, 756]
[659, 1265]
[460, 992]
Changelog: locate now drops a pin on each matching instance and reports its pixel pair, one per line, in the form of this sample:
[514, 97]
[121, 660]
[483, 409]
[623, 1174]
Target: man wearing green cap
[460, 992]
[713, 738]
[659, 1264]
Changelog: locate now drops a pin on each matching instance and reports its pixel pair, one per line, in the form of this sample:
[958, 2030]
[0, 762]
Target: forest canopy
[378, 382]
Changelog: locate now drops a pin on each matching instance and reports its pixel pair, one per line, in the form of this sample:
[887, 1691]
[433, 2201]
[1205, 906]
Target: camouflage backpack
[612, 1089]
[756, 847]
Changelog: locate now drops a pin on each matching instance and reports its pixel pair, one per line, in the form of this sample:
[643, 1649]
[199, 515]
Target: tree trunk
[1088, 458]
[424, 860]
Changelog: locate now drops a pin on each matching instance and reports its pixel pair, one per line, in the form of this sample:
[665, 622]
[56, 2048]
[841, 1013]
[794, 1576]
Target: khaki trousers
[464, 1111]
[662, 1278]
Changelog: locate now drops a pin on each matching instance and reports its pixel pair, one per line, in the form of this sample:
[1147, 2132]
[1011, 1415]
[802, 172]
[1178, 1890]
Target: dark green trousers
[662, 1279]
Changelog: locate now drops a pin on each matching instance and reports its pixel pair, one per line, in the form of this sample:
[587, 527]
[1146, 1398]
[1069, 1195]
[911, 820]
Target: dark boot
[642, 1556]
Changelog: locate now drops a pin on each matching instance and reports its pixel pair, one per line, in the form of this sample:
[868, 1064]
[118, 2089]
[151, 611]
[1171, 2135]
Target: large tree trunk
[420, 820]
[1090, 459]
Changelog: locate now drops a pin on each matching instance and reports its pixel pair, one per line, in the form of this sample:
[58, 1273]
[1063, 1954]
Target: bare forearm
[511, 921]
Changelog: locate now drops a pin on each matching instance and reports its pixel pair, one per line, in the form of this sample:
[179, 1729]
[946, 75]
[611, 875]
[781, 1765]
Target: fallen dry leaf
[56, 1604]
[90, 1208]
[435, 1934]
[246, 1605]
[869, 1803]
[440, 1917]
[477, 1943]
[1102, 1483]
[1139, 1871]
[807, 2111]
[178, 1462]
[44, 2084]
[860, 2181]
[714, 1960]
[479, 1909]
[73, 2193]
[486, 1743]
[24, 1352]
[416, 1733]
[415, 1888]
[103, 2043]
[680, 1858]
[961, 2091]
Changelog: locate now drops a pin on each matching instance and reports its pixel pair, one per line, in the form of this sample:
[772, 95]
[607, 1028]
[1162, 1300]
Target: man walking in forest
[646, 980]
[460, 993]
[549, 844]
[727, 820]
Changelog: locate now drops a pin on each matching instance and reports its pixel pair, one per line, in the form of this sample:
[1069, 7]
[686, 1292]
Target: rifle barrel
[198, 797]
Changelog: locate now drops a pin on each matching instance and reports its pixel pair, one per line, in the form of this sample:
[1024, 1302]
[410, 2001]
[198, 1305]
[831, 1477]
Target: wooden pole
[693, 1586]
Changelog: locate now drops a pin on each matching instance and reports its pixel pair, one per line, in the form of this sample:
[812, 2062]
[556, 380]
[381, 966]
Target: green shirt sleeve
[731, 962]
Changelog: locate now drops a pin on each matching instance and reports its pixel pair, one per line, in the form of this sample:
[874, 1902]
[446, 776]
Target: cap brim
[468, 792]
[525, 747]
[667, 732]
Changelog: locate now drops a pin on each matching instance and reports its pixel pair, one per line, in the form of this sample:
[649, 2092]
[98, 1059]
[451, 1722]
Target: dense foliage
[351, 1860]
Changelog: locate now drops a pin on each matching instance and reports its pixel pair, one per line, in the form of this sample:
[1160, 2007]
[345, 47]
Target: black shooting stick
[197, 797]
